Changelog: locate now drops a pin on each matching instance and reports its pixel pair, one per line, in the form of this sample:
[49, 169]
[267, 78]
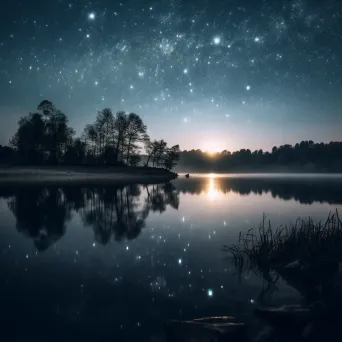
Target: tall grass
[303, 241]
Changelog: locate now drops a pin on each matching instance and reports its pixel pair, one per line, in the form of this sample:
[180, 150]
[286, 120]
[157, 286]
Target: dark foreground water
[114, 263]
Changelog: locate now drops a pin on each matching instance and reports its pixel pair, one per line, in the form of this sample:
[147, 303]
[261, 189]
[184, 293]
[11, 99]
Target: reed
[304, 241]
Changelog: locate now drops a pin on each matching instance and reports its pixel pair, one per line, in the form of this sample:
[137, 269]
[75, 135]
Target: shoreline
[82, 175]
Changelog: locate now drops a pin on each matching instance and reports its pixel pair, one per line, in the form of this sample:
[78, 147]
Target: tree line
[303, 156]
[304, 191]
[45, 138]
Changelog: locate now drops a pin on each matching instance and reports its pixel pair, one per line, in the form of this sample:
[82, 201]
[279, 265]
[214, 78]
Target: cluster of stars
[173, 60]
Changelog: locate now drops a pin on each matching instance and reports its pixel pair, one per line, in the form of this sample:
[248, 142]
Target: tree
[45, 137]
[159, 152]
[171, 157]
[104, 126]
[7, 154]
[90, 137]
[155, 150]
[30, 139]
[135, 133]
[58, 136]
[76, 153]
[120, 126]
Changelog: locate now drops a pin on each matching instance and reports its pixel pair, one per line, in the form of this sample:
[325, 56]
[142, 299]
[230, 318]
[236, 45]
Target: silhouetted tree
[45, 137]
[171, 157]
[7, 154]
[135, 134]
[30, 139]
[75, 153]
[159, 154]
[57, 135]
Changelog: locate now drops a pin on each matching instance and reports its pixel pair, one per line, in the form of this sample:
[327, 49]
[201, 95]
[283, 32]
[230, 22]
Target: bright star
[91, 16]
[217, 40]
[185, 71]
[210, 293]
[179, 261]
[248, 88]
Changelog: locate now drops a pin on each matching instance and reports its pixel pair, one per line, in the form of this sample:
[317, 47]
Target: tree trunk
[128, 149]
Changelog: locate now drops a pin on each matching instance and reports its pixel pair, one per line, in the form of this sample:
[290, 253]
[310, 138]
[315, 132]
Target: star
[92, 16]
[217, 40]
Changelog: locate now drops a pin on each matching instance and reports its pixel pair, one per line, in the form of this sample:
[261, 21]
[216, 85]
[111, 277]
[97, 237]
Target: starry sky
[207, 74]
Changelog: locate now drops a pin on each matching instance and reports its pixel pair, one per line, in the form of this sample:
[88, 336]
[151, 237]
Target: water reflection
[170, 266]
[304, 190]
[112, 212]
[120, 212]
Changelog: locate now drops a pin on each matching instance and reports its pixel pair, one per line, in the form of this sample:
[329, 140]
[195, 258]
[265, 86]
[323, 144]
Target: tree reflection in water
[305, 190]
[113, 212]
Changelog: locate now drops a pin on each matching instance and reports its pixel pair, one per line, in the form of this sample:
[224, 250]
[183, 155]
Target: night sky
[209, 74]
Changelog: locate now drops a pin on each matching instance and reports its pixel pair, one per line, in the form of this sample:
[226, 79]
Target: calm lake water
[114, 263]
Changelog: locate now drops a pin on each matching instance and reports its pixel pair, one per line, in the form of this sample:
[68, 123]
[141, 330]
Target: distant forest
[305, 156]
[45, 138]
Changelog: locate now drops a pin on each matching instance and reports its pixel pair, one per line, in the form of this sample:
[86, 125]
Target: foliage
[6, 154]
[113, 139]
[159, 154]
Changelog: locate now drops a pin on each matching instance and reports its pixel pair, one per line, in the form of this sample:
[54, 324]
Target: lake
[115, 263]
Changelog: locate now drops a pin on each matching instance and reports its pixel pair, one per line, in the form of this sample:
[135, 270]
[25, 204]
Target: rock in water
[208, 329]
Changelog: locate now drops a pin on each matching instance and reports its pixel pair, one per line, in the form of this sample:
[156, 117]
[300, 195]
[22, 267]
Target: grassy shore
[304, 241]
[307, 255]
[81, 174]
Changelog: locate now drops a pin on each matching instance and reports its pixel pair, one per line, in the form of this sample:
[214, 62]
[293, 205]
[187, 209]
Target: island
[44, 149]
